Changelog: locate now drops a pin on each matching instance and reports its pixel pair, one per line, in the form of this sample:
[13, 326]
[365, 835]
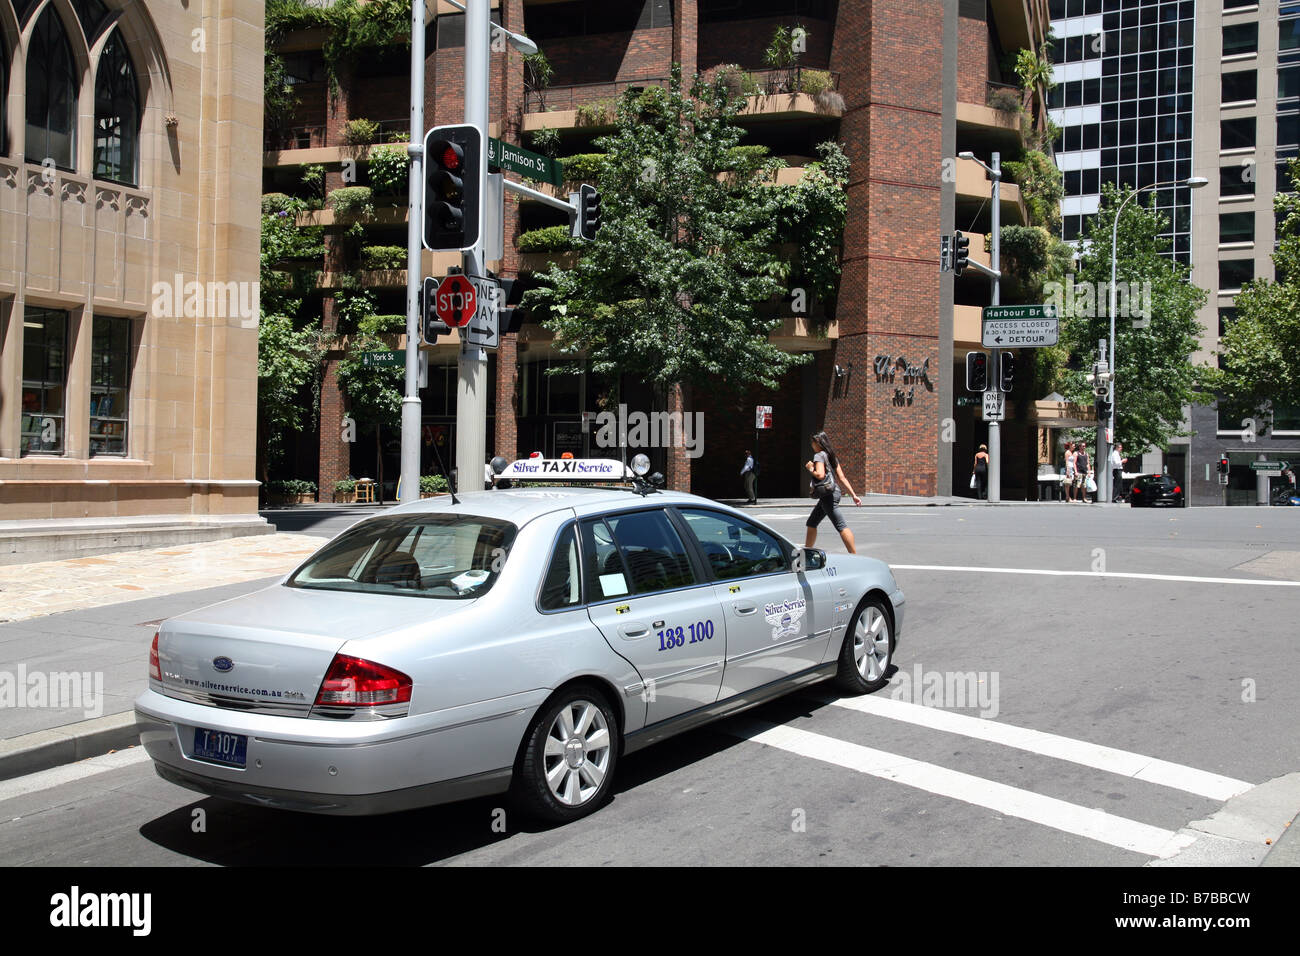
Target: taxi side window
[606, 576]
[653, 551]
[561, 587]
[733, 547]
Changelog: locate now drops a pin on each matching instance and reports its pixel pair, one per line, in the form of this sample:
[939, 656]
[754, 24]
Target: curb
[45, 749]
[1285, 851]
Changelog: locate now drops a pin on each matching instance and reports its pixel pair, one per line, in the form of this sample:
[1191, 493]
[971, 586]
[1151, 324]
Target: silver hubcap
[871, 644]
[577, 752]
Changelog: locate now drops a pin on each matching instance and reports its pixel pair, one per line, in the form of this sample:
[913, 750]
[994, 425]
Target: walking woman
[827, 478]
[981, 472]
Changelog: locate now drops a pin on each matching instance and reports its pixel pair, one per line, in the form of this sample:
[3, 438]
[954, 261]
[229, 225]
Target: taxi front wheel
[867, 651]
[567, 760]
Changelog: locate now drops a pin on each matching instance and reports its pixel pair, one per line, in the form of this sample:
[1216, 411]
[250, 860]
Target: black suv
[1150, 491]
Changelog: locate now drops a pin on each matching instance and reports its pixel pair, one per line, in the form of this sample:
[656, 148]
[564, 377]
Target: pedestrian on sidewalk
[1082, 472]
[1068, 484]
[981, 473]
[827, 477]
[1117, 464]
[749, 474]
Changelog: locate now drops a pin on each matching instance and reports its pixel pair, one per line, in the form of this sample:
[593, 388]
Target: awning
[1061, 414]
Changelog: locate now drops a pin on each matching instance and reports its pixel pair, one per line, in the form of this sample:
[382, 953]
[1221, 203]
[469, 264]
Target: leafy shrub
[746, 157]
[432, 484]
[546, 141]
[360, 132]
[814, 82]
[352, 202]
[582, 167]
[292, 487]
[389, 168]
[274, 203]
[598, 112]
[345, 486]
[383, 257]
[829, 102]
[312, 178]
[736, 80]
[550, 239]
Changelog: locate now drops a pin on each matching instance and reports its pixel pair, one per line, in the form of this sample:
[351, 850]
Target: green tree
[810, 216]
[374, 391]
[289, 349]
[669, 292]
[1260, 350]
[1155, 376]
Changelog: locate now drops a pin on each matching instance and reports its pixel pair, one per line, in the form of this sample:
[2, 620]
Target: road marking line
[998, 797]
[1122, 762]
[70, 773]
[1098, 574]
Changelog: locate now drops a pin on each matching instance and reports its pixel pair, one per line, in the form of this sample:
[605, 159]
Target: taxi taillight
[354, 682]
[155, 671]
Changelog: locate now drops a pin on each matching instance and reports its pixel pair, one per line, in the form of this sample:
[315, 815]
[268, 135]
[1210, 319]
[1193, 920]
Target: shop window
[110, 385]
[45, 377]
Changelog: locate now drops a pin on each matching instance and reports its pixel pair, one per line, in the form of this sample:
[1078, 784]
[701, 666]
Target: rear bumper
[338, 767]
[359, 804]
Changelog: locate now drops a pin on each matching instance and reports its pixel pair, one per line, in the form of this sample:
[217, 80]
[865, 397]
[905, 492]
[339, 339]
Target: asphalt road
[1152, 682]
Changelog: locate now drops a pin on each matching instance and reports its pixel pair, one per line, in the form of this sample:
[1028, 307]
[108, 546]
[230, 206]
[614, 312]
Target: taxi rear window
[446, 556]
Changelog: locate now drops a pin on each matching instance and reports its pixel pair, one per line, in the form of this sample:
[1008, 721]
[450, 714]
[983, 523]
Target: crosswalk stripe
[1182, 579]
[998, 797]
[1122, 762]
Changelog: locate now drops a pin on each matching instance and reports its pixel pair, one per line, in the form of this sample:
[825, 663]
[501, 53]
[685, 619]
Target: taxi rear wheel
[567, 760]
[868, 650]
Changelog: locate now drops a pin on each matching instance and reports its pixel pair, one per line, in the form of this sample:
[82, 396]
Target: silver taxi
[519, 640]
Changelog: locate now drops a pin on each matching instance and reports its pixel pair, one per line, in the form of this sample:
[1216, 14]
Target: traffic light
[945, 253]
[1006, 371]
[430, 325]
[588, 211]
[1223, 465]
[511, 316]
[1103, 408]
[960, 252]
[452, 187]
[977, 371]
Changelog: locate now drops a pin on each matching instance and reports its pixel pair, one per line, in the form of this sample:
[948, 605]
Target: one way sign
[484, 329]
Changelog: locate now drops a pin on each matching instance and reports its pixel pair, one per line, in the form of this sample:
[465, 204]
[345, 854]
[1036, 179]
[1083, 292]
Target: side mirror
[814, 559]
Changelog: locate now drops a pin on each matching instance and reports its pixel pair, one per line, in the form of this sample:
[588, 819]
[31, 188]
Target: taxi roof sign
[567, 469]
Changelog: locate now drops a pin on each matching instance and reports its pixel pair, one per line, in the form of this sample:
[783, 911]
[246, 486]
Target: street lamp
[1104, 490]
[520, 42]
[995, 432]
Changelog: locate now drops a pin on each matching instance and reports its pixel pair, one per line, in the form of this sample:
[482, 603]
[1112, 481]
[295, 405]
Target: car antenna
[451, 485]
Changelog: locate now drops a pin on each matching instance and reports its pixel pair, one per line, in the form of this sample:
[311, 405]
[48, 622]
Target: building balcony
[974, 188]
[993, 124]
[1020, 23]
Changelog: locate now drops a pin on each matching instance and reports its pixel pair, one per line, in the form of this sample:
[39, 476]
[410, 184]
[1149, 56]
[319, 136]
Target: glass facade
[1124, 104]
[45, 379]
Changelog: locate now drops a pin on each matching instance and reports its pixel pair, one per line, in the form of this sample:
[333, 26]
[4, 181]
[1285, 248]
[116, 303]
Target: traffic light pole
[471, 365]
[995, 359]
[411, 409]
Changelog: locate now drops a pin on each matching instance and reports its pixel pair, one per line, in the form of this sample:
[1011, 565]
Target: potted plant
[345, 490]
[432, 485]
[295, 491]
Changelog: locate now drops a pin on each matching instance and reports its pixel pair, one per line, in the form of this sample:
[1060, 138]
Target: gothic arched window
[51, 94]
[117, 114]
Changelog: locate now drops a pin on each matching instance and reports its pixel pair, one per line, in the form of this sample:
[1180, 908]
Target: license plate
[218, 747]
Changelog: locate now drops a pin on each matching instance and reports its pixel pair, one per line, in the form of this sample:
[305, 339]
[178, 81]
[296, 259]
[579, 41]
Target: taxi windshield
[448, 556]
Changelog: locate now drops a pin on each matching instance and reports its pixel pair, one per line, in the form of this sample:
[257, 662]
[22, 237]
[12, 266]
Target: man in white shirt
[1117, 464]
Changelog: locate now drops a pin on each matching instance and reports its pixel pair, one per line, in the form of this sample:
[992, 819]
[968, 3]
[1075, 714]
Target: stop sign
[456, 301]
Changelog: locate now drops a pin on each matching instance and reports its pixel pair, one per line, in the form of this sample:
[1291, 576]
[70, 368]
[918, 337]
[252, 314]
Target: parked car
[520, 640]
[1152, 491]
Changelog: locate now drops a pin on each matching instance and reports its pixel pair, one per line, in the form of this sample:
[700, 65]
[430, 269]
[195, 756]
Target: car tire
[868, 649]
[567, 759]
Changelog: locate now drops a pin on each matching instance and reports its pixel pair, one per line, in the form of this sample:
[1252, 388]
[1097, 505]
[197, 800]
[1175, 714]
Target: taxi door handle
[744, 608]
[634, 630]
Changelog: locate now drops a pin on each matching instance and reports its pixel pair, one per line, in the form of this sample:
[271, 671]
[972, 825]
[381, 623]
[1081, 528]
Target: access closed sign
[1020, 326]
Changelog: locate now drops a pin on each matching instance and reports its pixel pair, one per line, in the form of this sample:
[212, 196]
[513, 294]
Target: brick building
[900, 84]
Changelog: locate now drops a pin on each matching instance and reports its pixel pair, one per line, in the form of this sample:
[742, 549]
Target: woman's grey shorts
[829, 505]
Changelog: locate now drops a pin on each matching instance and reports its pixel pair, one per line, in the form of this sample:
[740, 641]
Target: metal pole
[1103, 439]
[995, 370]
[411, 409]
[1261, 482]
[471, 386]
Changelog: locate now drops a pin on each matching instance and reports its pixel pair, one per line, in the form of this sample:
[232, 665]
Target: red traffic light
[452, 157]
